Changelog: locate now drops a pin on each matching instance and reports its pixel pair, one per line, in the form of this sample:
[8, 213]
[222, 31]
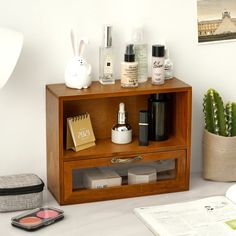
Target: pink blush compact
[37, 218]
[45, 214]
[30, 220]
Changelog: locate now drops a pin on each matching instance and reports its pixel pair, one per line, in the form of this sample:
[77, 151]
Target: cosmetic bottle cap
[167, 53]
[143, 117]
[121, 114]
[158, 50]
[137, 35]
[129, 54]
[122, 107]
[159, 97]
[107, 36]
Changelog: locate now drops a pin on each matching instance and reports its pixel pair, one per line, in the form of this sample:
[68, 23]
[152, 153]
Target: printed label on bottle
[168, 69]
[141, 53]
[158, 70]
[107, 64]
[121, 137]
[129, 74]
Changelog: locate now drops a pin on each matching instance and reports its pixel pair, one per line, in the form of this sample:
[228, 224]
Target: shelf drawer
[124, 176]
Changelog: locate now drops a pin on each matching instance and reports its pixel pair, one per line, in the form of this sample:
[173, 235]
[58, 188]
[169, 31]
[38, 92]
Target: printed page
[231, 193]
[214, 216]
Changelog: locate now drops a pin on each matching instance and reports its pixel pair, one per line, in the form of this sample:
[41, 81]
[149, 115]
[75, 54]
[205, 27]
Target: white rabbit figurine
[77, 73]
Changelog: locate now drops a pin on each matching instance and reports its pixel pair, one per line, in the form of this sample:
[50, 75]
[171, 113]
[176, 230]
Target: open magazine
[211, 216]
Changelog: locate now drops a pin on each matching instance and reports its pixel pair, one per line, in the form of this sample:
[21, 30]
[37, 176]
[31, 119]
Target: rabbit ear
[74, 42]
[81, 46]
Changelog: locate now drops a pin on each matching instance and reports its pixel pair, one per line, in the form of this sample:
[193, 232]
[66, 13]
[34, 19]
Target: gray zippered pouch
[20, 192]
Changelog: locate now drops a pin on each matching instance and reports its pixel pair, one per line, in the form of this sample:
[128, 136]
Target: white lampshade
[11, 43]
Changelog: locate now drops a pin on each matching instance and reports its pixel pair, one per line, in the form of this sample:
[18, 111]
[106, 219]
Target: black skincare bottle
[158, 105]
[143, 128]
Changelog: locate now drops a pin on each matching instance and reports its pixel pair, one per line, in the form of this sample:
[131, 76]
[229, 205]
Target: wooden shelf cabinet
[101, 102]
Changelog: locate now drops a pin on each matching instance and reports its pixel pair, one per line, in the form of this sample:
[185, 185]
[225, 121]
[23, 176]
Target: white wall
[46, 25]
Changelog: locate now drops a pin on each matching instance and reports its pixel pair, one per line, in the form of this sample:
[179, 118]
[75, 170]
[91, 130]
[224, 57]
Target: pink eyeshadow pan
[30, 221]
[45, 214]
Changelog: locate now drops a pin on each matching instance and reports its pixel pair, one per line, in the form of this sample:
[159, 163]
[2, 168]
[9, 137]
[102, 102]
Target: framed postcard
[216, 20]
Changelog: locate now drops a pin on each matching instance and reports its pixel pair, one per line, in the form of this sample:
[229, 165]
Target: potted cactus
[219, 139]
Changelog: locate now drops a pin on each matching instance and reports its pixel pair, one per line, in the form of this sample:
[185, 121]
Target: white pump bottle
[121, 132]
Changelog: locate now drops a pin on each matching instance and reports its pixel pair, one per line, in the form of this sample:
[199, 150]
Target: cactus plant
[213, 107]
[230, 110]
[219, 120]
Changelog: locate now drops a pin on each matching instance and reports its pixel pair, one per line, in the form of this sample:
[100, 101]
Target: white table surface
[111, 218]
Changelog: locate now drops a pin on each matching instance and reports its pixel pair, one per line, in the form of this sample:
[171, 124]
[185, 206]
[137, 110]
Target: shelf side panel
[189, 132]
[52, 136]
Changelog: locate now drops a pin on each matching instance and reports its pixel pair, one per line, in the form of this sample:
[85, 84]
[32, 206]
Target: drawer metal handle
[116, 160]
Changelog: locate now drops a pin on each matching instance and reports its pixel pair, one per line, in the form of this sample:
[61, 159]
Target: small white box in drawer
[101, 178]
[142, 174]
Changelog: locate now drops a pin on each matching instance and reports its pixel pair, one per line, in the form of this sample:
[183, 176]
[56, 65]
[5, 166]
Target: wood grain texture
[101, 102]
[103, 112]
[53, 146]
[105, 148]
[97, 90]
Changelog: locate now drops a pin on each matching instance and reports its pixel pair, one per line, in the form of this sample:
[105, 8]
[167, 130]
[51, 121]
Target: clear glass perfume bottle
[106, 75]
[168, 65]
[141, 53]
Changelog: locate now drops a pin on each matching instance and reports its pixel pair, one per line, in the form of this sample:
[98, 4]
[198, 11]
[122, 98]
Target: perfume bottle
[141, 54]
[121, 132]
[158, 59]
[106, 58]
[129, 68]
[168, 66]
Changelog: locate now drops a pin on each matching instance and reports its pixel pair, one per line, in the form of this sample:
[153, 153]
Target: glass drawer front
[123, 174]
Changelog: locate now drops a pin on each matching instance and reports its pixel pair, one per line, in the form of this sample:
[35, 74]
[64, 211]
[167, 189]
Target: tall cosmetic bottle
[158, 60]
[106, 75]
[159, 116]
[129, 68]
[121, 132]
[141, 53]
[143, 128]
[168, 65]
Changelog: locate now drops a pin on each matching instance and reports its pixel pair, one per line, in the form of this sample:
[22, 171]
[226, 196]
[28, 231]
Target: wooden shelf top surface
[105, 148]
[97, 90]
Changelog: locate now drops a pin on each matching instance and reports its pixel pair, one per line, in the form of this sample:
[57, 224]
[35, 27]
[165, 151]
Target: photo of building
[216, 20]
